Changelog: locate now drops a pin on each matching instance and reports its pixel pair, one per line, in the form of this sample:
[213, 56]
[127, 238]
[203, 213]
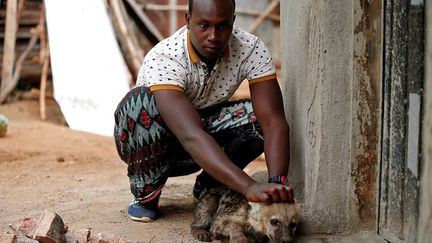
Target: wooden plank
[134, 54]
[42, 95]
[6, 89]
[9, 45]
[172, 17]
[31, 74]
[21, 33]
[32, 58]
[28, 17]
[144, 21]
[262, 16]
[9, 86]
[20, 9]
[44, 57]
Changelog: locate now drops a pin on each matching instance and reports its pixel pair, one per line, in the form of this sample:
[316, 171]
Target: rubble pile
[50, 228]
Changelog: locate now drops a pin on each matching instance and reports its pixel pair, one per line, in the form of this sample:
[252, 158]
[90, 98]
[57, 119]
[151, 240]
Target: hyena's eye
[275, 222]
[292, 226]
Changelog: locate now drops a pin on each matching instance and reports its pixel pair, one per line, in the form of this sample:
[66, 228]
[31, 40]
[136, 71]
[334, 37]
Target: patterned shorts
[152, 152]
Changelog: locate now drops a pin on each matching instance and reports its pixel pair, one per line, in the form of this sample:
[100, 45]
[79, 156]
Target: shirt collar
[194, 56]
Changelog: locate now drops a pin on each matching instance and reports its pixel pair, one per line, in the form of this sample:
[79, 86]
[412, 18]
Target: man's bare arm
[268, 107]
[184, 121]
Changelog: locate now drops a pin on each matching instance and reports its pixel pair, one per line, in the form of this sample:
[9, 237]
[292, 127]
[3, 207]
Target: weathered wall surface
[425, 224]
[331, 79]
[366, 112]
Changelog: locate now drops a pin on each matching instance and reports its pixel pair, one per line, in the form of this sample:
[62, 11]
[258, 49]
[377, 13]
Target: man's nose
[213, 35]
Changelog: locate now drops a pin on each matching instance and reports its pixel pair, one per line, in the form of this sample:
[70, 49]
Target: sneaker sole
[143, 219]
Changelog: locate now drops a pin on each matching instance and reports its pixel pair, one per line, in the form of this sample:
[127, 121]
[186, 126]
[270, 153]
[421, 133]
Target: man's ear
[187, 18]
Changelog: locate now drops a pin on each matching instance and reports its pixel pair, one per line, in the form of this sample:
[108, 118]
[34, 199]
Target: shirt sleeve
[259, 65]
[161, 70]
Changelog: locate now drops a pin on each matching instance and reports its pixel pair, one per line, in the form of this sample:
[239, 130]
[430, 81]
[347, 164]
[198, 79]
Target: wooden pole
[263, 15]
[128, 40]
[20, 9]
[173, 17]
[145, 19]
[9, 45]
[44, 57]
[42, 95]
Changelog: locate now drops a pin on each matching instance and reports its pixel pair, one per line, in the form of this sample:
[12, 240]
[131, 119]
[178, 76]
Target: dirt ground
[46, 165]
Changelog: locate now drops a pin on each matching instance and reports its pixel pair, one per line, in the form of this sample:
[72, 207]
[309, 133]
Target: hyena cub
[223, 214]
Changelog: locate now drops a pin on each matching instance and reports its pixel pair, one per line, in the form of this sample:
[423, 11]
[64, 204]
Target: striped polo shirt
[174, 64]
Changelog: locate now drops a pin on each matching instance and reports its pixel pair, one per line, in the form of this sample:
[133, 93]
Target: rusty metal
[367, 73]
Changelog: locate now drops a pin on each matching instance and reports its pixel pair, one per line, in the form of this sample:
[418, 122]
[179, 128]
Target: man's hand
[269, 193]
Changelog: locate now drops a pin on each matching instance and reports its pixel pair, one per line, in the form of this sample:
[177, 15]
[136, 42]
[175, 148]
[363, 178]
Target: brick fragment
[50, 228]
[25, 225]
[21, 237]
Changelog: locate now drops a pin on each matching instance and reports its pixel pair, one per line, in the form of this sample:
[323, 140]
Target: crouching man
[178, 119]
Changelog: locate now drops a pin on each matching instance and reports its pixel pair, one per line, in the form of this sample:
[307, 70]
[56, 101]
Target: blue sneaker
[147, 212]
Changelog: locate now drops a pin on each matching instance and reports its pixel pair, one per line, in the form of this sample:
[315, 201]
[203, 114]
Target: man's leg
[143, 143]
[234, 126]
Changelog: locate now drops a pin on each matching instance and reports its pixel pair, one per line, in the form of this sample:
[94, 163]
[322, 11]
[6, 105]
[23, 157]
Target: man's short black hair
[190, 3]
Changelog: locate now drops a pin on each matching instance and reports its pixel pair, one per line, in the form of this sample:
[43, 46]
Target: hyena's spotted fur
[223, 214]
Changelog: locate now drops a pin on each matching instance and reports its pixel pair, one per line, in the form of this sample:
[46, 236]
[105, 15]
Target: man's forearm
[277, 148]
[207, 153]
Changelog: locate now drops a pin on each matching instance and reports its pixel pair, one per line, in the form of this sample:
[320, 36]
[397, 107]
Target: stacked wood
[28, 20]
[132, 26]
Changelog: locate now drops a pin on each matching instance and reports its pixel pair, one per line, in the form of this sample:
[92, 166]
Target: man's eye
[203, 26]
[224, 26]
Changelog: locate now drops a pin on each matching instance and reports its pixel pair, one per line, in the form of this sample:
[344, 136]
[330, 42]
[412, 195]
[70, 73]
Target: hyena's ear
[254, 210]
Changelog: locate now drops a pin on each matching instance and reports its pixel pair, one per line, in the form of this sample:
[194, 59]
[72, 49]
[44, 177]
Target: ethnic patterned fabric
[152, 152]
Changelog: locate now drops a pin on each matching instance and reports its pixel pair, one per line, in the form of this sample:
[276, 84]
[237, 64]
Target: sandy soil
[46, 165]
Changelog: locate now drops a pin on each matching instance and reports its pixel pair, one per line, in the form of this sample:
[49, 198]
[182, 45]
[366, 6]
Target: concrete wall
[425, 224]
[332, 88]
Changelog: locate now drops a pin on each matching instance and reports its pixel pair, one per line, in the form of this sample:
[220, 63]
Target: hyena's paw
[201, 234]
[218, 232]
[239, 238]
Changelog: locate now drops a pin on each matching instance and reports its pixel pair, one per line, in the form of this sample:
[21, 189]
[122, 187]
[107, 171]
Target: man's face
[211, 23]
